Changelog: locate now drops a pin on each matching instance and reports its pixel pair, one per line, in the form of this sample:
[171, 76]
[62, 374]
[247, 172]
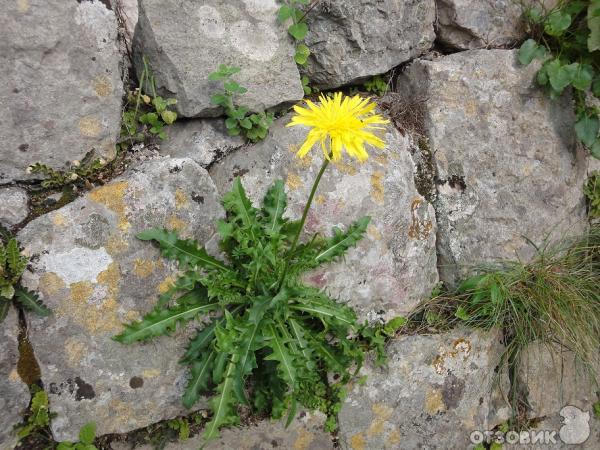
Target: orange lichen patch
[382, 413]
[303, 440]
[151, 373]
[111, 196]
[377, 188]
[293, 181]
[116, 244]
[59, 220]
[345, 168]
[81, 291]
[174, 223]
[50, 284]
[111, 277]
[181, 199]
[419, 229]
[75, 350]
[167, 284]
[393, 439]
[102, 86]
[374, 232]
[320, 199]
[460, 346]
[90, 127]
[301, 163]
[357, 442]
[132, 316]
[381, 159]
[143, 268]
[434, 402]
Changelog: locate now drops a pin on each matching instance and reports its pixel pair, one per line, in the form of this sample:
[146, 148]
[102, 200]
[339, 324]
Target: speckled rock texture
[555, 380]
[434, 392]
[14, 206]
[505, 155]
[14, 394]
[394, 266]
[186, 40]
[61, 91]
[203, 140]
[351, 40]
[94, 274]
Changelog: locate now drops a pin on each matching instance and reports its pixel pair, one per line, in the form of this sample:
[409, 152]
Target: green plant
[145, 111]
[376, 85]
[182, 426]
[87, 434]
[292, 9]
[75, 172]
[596, 409]
[554, 299]
[567, 39]
[591, 189]
[38, 418]
[254, 126]
[12, 265]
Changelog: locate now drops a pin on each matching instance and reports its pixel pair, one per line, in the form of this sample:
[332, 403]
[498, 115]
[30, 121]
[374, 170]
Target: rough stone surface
[394, 266]
[350, 40]
[469, 24]
[555, 380]
[61, 90]
[435, 391]
[94, 274]
[506, 160]
[13, 206]
[187, 40]
[14, 395]
[203, 140]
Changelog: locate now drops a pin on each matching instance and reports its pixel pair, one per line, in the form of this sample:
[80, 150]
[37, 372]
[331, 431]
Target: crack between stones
[27, 366]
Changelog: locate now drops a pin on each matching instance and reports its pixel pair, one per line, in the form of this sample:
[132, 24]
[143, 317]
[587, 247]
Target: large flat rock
[186, 40]
[14, 394]
[351, 40]
[394, 266]
[61, 91]
[94, 274]
[434, 392]
[505, 155]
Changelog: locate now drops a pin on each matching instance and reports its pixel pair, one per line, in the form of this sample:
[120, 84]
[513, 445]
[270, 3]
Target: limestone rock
[435, 391]
[470, 24]
[61, 90]
[94, 274]
[394, 266]
[14, 394]
[351, 40]
[185, 41]
[506, 160]
[13, 206]
[203, 140]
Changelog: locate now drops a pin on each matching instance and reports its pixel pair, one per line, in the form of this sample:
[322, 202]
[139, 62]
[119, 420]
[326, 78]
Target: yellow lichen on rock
[303, 440]
[112, 196]
[382, 413]
[50, 283]
[293, 181]
[181, 199]
[434, 402]
[90, 127]
[357, 442]
[377, 188]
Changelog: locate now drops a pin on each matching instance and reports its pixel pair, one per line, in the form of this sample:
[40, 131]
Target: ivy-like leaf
[31, 301]
[162, 321]
[342, 241]
[184, 251]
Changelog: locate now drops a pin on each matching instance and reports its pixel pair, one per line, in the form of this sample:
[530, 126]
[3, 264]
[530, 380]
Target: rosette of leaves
[567, 39]
[253, 126]
[260, 346]
[12, 265]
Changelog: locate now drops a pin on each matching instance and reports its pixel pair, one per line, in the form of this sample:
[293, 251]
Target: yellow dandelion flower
[340, 123]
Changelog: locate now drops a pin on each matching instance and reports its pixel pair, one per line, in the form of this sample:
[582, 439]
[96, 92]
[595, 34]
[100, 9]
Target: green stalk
[302, 221]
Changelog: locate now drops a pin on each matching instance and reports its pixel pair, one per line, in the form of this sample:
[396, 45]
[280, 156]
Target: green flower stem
[302, 221]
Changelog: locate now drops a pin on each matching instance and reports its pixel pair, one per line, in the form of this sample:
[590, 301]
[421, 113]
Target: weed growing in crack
[554, 299]
[591, 189]
[253, 126]
[75, 172]
[567, 39]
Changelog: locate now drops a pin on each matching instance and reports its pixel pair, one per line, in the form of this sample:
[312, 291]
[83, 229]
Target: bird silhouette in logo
[576, 427]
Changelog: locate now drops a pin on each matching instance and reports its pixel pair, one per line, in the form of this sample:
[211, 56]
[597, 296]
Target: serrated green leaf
[184, 251]
[162, 321]
[4, 307]
[323, 307]
[274, 204]
[342, 241]
[280, 354]
[30, 301]
[200, 377]
[222, 404]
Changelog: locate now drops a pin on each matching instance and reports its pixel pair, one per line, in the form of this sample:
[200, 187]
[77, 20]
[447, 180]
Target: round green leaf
[595, 150]
[527, 51]
[587, 130]
[169, 116]
[583, 77]
[298, 30]
[558, 21]
[87, 433]
[302, 53]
